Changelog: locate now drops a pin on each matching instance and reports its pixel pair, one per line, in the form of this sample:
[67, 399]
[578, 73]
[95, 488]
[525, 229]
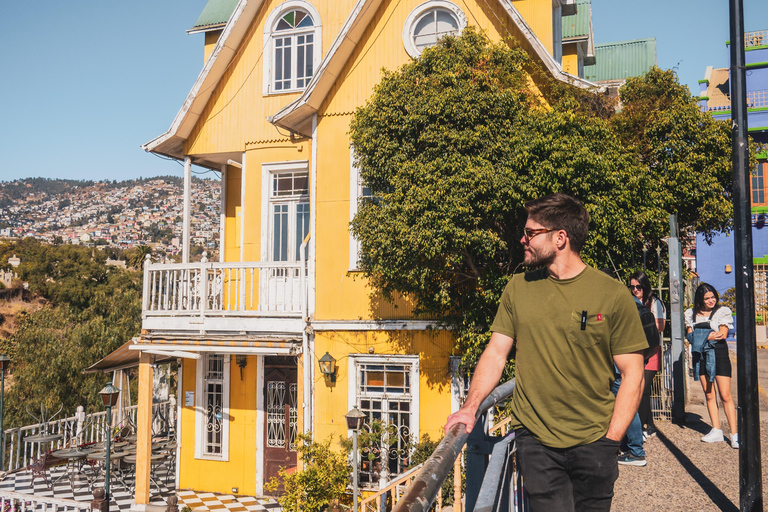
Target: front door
[280, 390]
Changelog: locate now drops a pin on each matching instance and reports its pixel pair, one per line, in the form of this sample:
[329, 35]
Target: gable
[210, 102]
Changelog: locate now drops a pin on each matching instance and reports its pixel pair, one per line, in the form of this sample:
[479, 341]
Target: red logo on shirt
[599, 317]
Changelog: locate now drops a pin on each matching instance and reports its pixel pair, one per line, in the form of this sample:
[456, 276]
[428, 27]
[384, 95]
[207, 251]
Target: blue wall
[712, 259]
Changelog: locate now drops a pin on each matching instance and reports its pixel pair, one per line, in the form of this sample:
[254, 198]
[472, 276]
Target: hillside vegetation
[80, 310]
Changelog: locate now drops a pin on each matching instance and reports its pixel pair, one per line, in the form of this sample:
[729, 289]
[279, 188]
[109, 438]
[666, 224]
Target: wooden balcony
[208, 297]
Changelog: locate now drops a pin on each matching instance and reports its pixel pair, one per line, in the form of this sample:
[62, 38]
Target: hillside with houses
[123, 214]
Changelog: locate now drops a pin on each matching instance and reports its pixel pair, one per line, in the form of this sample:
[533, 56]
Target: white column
[242, 208]
[187, 208]
[223, 212]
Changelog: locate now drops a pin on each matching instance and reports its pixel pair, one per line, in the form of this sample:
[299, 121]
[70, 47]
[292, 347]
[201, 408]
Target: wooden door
[280, 399]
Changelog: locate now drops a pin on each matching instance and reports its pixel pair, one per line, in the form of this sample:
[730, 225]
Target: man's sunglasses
[530, 233]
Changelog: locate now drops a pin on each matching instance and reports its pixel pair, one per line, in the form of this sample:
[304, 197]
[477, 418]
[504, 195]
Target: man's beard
[538, 257]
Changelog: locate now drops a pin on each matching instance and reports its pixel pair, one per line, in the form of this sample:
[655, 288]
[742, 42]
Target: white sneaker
[735, 441]
[715, 436]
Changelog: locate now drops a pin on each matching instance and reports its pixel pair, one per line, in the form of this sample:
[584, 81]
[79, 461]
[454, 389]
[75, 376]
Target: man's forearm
[487, 375]
[486, 378]
[625, 408]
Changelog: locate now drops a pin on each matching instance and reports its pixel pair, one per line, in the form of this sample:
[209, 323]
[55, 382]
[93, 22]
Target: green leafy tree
[323, 480]
[88, 311]
[454, 143]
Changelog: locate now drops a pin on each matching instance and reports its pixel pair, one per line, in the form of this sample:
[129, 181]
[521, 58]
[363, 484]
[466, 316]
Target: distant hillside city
[122, 215]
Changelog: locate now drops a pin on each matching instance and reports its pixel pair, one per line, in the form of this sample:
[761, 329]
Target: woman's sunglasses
[635, 287]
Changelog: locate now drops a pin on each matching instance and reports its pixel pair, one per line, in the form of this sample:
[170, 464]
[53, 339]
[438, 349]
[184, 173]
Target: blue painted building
[715, 262]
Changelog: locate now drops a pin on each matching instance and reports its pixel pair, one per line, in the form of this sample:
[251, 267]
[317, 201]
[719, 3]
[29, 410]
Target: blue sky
[86, 82]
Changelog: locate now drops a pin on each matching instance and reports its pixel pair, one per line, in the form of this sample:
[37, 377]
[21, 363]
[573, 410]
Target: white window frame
[355, 193]
[200, 420]
[355, 360]
[269, 170]
[410, 22]
[269, 44]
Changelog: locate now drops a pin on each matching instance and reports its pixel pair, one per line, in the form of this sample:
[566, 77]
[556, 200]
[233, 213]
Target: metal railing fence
[77, 430]
[17, 502]
[422, 492]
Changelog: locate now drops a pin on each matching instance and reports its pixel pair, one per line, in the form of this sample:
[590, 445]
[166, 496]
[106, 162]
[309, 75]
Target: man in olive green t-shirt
[569, 324]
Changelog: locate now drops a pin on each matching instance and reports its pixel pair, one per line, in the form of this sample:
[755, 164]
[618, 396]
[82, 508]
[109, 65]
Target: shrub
[322, 481]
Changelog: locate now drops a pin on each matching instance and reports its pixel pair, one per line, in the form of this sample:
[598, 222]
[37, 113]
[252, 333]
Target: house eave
[296, 116]
[206, 82]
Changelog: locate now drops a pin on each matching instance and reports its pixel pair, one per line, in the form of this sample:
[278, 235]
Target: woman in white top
[707, 310]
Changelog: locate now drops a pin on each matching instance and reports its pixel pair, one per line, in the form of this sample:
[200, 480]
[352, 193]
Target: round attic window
[430, 21]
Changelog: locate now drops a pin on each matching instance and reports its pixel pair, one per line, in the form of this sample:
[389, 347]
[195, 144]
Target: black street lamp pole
[109, 395]
[750, 471]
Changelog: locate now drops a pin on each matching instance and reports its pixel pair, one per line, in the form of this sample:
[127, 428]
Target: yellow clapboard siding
[332, 400]
[571, 59]
[239, 471]
[538, 14]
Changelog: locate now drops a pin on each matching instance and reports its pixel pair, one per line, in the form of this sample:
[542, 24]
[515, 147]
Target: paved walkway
[685, 474]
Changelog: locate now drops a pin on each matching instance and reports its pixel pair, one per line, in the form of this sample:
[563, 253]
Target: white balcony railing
[208, 289]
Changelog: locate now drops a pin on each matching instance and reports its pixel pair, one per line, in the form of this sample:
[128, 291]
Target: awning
[168, 349]
[121, 359]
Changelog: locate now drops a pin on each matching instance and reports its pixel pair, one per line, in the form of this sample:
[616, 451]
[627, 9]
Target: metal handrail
[393, 484]
[424, 488]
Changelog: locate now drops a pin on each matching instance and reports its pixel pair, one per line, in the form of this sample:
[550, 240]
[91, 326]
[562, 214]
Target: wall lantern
[242, 362]
[328, 367]
[728, 269]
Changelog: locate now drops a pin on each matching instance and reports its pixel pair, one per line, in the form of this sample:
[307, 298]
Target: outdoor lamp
[328, 366]
[109, 394]
[354, 421]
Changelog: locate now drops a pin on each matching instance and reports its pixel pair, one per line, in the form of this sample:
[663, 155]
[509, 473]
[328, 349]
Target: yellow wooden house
[270, 112]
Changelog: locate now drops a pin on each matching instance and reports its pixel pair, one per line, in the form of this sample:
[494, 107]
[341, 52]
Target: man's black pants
[577, 479]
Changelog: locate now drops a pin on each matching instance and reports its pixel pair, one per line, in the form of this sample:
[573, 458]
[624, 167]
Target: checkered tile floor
[208, 501]
[122, 497]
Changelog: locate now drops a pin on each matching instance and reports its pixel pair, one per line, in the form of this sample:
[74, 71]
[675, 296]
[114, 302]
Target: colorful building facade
[715, 261]
[270, 112]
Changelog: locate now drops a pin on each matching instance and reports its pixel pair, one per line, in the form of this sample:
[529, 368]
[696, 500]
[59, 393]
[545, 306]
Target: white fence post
[80, 418]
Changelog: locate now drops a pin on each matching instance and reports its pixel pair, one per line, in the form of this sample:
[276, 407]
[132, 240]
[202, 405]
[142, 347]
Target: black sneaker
[630, 460]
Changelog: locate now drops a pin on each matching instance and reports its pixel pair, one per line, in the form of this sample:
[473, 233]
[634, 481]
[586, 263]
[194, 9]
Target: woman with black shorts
[707, 312]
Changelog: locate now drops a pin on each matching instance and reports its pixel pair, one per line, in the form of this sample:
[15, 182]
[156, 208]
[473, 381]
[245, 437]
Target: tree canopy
[454, 143]
[90, 310]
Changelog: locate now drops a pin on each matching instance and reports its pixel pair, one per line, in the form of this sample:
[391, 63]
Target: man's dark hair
[561, 211]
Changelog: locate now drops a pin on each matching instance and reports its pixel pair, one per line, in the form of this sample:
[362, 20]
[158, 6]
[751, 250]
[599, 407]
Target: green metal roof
[215, 12]
[577, 25]
[617, 61]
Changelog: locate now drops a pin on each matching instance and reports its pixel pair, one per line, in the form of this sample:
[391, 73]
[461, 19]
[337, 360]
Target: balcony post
[145, 298]
[203, 285]
[187, 208]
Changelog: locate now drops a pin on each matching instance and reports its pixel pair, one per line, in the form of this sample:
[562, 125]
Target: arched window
[429, 22]
[293, 37]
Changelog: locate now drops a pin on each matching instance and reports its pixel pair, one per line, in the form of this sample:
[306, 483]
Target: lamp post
[355, 419]
[4, 360]
[109, 396]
